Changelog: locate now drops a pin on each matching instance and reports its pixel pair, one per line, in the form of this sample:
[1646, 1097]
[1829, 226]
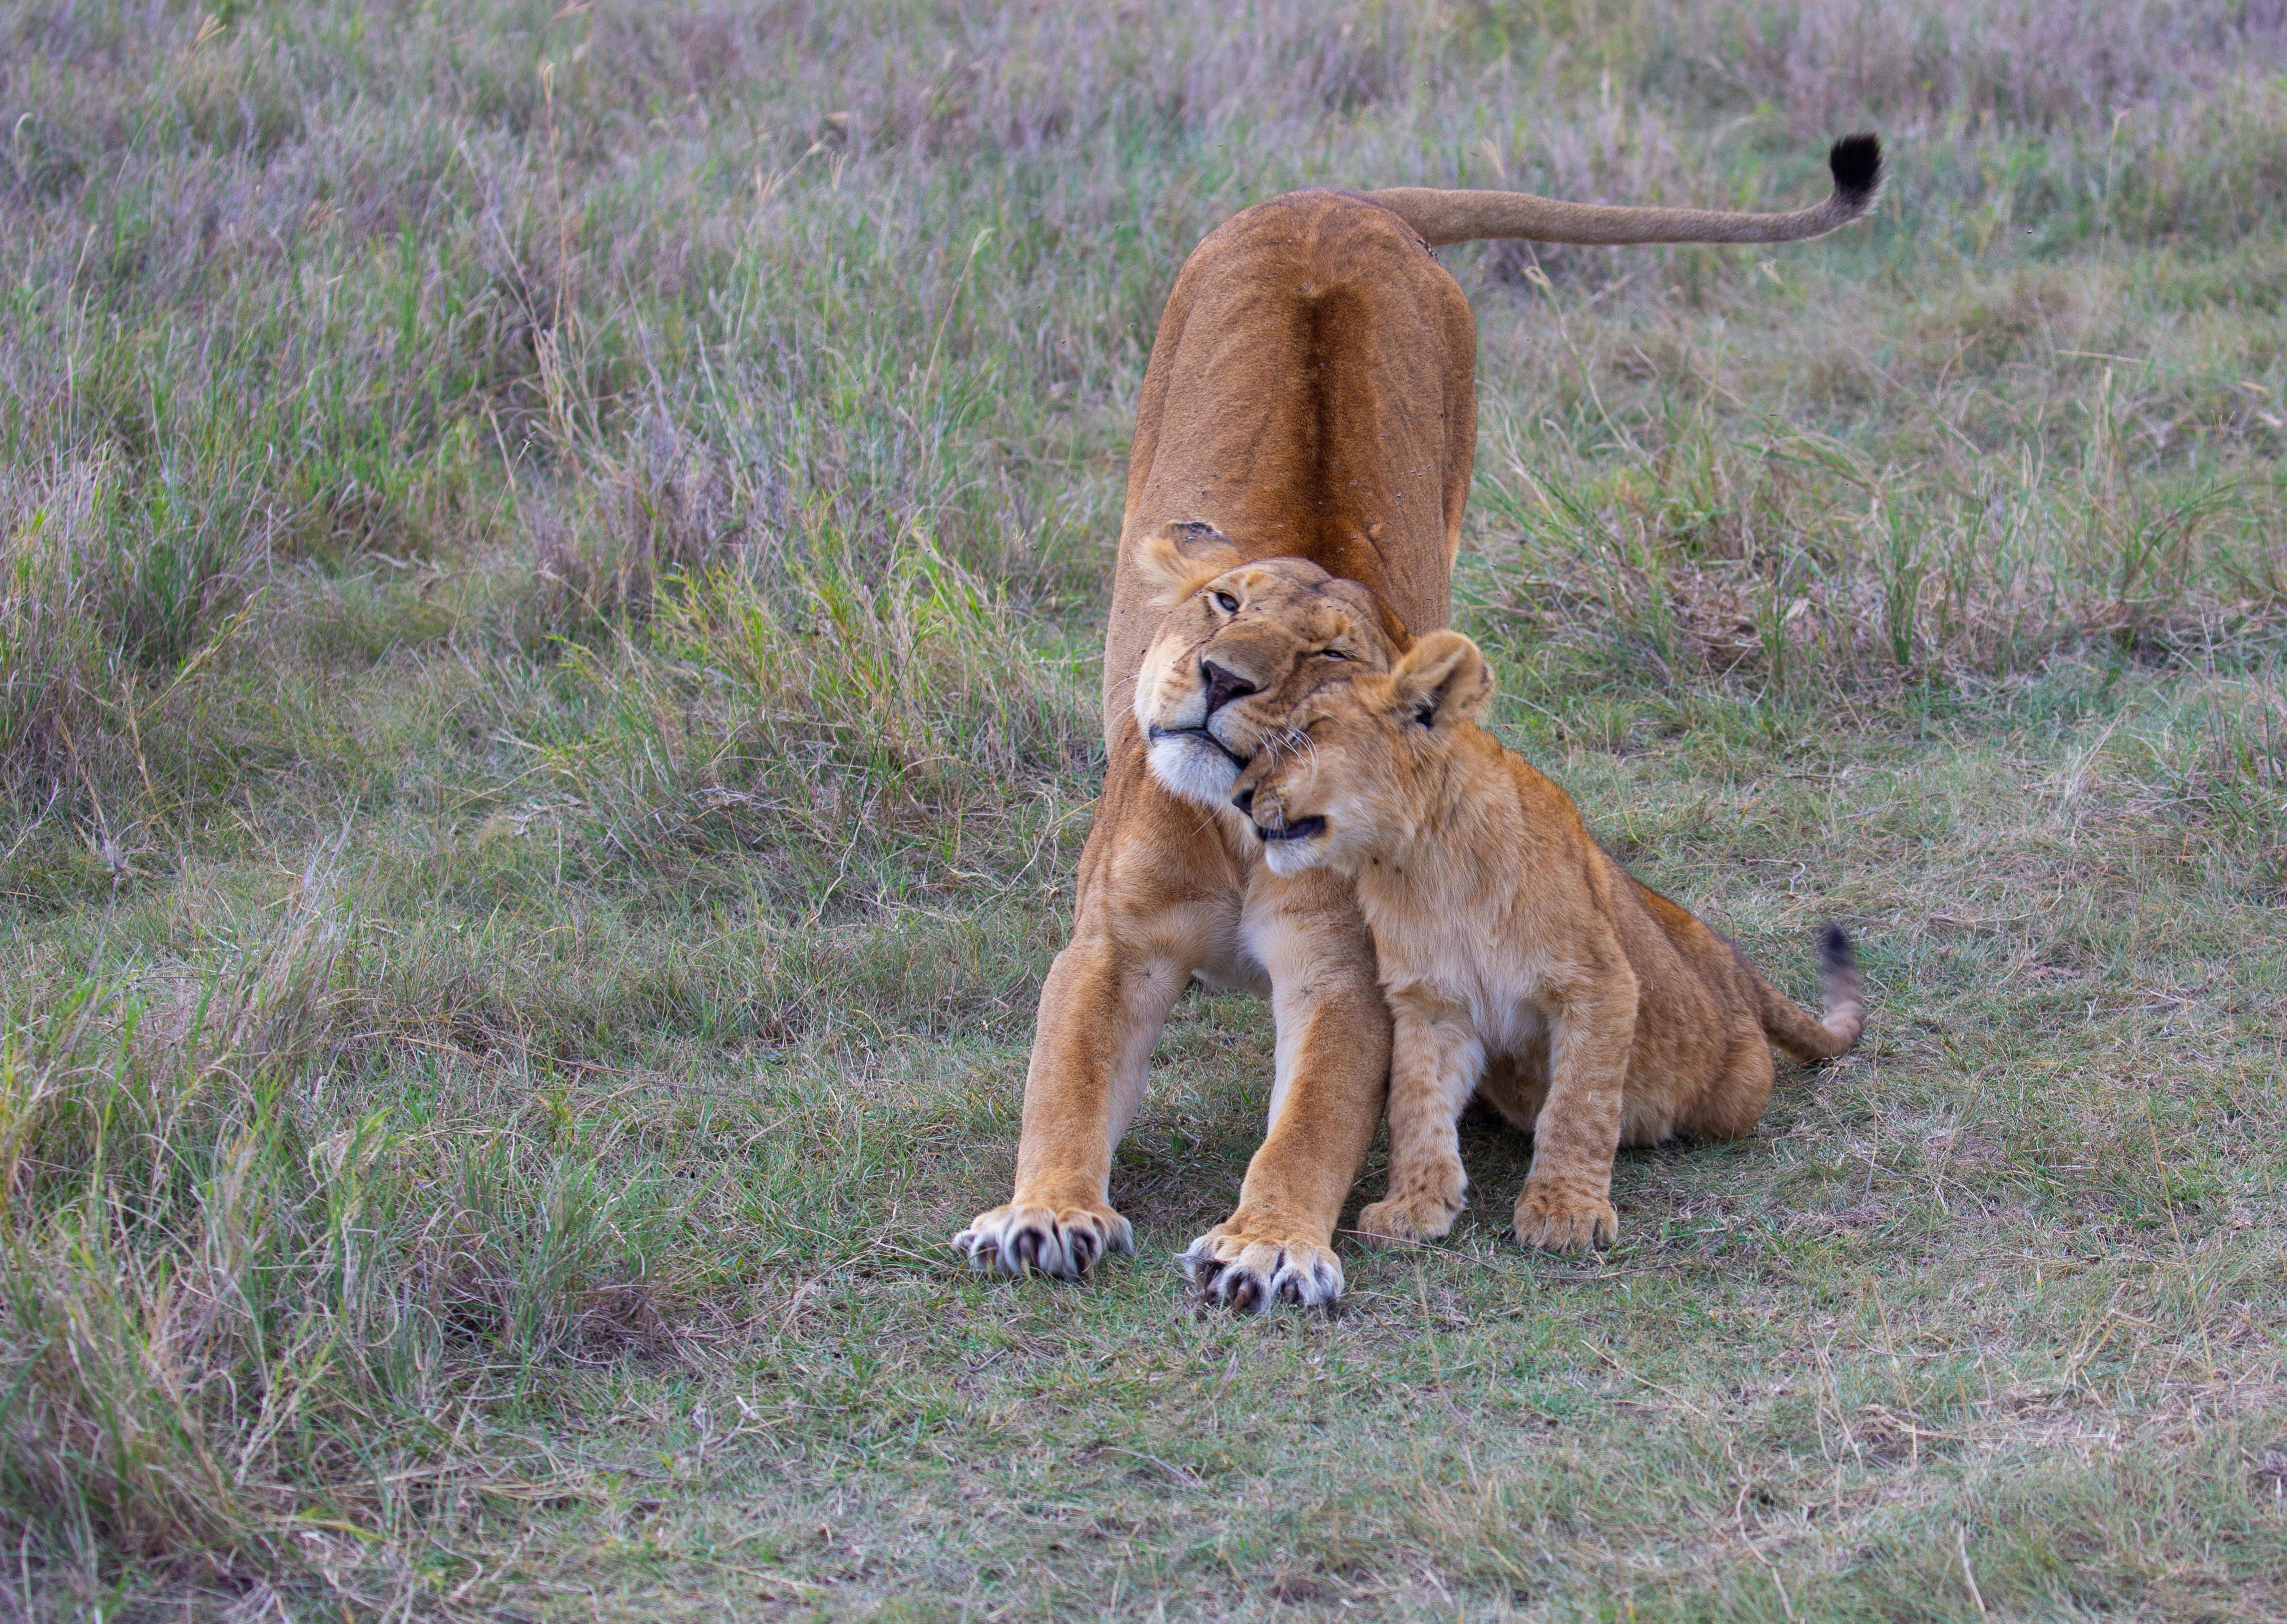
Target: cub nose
[1223, 686]
[1245, 801]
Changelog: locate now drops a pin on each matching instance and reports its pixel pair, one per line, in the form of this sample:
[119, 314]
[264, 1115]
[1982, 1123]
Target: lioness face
[1360, 764]
[1244, 646]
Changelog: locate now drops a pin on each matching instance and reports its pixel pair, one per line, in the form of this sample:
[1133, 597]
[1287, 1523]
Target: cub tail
[1804, 1035]
[1442, 216]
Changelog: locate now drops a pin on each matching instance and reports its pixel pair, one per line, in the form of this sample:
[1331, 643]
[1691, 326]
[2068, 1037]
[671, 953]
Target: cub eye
[1230, 604]
[1332, 653]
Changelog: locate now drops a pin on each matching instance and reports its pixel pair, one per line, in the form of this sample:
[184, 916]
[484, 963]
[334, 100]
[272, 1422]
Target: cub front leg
[1567, 1203]
[1434, 1066]
[1333, 1071]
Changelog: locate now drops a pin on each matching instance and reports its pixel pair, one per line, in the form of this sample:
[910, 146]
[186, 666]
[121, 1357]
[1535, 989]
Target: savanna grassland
[550, 564]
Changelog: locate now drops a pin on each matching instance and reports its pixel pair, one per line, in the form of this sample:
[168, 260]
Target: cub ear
[1181, 557]
[1441, 678]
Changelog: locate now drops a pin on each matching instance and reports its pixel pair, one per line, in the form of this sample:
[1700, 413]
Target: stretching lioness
[1504, 931]
[1310, 396]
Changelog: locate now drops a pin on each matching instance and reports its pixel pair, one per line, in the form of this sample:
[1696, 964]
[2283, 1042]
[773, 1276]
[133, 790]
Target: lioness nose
[1223, 686]
[1245, 801]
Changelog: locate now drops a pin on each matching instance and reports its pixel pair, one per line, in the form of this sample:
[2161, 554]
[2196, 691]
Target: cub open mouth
[1302, 828]
[1159, 732]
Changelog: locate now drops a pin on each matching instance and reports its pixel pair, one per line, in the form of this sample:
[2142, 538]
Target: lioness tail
[1470, 217]
[1805, 1035]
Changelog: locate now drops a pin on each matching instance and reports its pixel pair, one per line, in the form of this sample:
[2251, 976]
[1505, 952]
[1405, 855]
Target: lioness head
[1360, 763]
[1242, 644]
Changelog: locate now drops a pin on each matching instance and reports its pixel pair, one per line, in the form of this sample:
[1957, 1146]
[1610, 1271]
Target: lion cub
[1506, 934]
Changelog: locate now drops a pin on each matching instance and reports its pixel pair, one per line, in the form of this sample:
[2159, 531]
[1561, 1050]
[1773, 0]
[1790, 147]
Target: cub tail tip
[1845, 991]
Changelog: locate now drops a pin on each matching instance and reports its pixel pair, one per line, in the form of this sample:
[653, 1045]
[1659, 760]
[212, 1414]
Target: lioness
[1503, 931]
[1311, 395]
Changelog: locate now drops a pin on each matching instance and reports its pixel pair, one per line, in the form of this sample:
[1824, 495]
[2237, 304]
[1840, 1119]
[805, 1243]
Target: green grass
[550, 563]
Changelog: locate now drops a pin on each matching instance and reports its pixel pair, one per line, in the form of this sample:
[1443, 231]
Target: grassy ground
[549, 561]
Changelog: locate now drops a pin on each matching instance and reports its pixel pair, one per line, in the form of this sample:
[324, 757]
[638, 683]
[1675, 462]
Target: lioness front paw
[1565, 1222]
[1232, 1270]
[1063, 1242]
[1415, 1217]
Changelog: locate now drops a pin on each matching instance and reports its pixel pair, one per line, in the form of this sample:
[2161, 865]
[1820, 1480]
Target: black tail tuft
[1835, 952]
[1857, 161]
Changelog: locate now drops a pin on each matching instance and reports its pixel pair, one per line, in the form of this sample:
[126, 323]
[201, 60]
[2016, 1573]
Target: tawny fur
[1310, 396]
[1470, 217]
[1504, 934]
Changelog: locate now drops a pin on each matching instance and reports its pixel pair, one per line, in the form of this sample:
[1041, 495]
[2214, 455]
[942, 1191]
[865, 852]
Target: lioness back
[1311, 395]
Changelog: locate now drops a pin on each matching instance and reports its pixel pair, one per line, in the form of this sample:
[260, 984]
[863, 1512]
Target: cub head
[1359, 765]
[1242, 644]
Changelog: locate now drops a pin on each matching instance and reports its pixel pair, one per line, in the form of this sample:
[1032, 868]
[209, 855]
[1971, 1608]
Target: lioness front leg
[1567, 1203]
[1102, 1008]
[1157, 895]
[1434, 1065]
[1332, 1070]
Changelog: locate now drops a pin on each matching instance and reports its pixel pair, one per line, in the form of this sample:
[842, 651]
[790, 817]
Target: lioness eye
[1230, 604]
[1333, 653]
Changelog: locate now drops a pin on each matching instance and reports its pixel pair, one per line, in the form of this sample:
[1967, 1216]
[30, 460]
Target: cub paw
[1413, 1217]
[1230, 1270]
[1562, 1223]
[1063, 1242]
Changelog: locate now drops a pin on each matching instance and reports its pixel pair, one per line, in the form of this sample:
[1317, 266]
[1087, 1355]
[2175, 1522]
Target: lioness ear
[1181, 557]
[1393, 627]
[1441, 678]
